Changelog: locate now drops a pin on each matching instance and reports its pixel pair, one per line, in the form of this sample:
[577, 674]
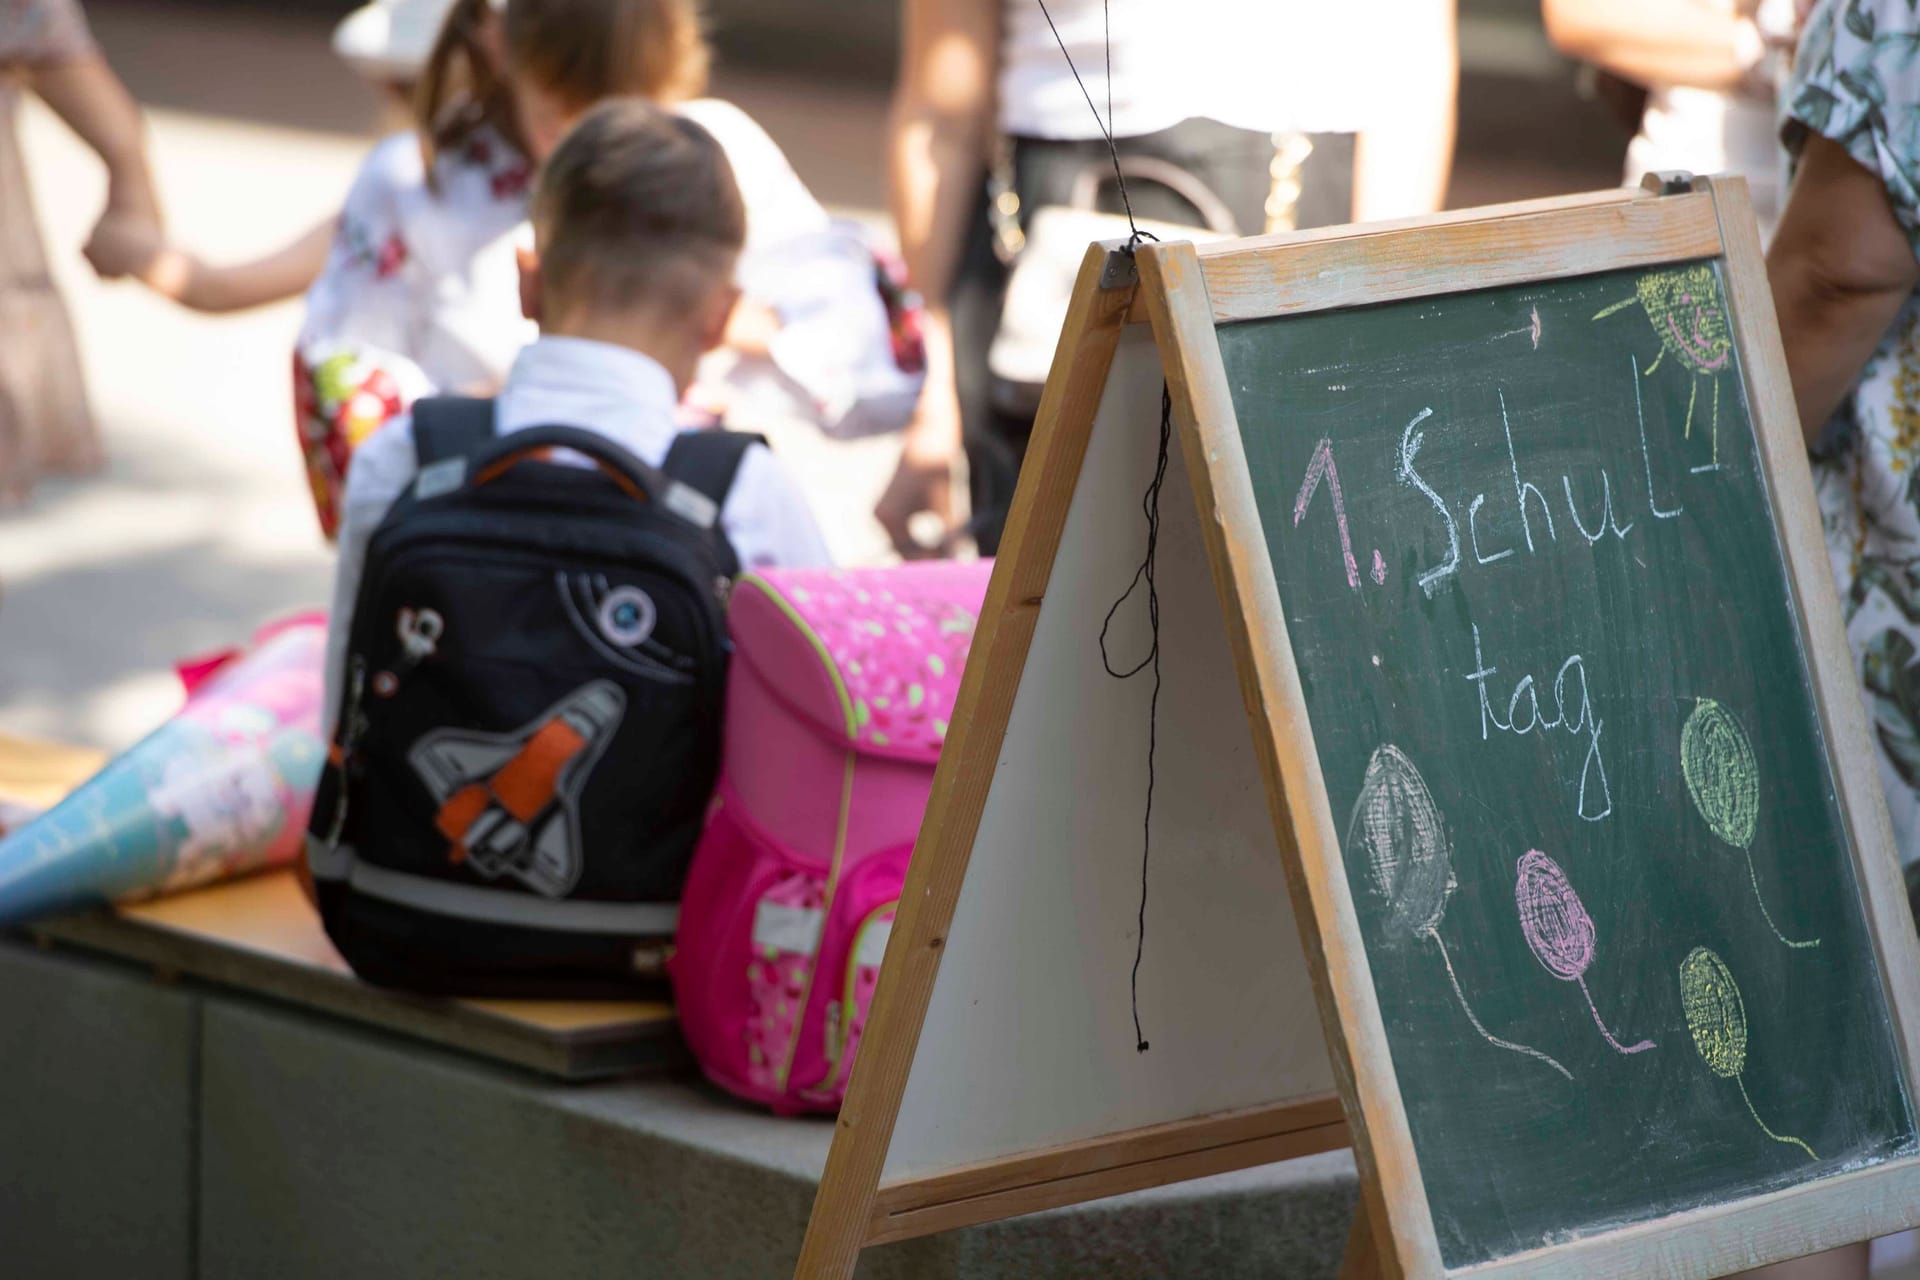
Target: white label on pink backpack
[778, 926]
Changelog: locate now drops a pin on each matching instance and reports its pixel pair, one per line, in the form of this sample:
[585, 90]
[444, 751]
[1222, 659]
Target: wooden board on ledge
[259, 935]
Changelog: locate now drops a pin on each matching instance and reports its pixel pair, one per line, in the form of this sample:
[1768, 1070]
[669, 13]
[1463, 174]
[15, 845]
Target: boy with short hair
[638, 225]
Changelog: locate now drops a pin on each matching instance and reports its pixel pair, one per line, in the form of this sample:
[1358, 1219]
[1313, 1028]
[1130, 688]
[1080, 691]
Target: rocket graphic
[509, 801]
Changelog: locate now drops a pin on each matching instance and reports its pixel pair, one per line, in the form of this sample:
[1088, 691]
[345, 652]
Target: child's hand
[751, 328]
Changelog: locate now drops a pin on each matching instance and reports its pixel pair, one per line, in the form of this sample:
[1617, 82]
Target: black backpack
[529, 726]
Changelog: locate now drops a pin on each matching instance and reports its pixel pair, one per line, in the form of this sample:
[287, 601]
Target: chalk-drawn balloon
[1557, 927]
[1398, 829]
[1715, 1013]
[1399, 834]
[1717, 1017]
[1717, 762]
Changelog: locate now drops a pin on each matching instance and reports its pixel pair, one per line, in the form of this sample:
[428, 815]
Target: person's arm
[1657, 42]
[1403, 159]
[185, 278]
[936, 150]
[284, 273]
[86, 94]
[1841, 267]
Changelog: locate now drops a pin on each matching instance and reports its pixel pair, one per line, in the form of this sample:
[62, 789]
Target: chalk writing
[1716, 760]
[1559, 930]
[1575, 718]
[1534, 507]
[1321, 464]
[1398, 831]
[1410, 440]
[1717, 1017]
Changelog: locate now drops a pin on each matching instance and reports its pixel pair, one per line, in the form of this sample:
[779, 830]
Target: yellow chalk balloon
[1715, 1014]
[1717, 762]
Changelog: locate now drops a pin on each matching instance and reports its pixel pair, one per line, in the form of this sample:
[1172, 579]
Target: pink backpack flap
[837, 704]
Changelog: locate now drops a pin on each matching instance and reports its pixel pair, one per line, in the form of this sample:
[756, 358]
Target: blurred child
[638, 227]
[419, 291]
[387, 42]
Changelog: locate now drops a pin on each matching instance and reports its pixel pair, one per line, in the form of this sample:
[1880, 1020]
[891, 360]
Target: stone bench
[180, 1130]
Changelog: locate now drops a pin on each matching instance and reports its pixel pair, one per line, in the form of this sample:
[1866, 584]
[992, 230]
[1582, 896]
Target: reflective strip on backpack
[494, 906]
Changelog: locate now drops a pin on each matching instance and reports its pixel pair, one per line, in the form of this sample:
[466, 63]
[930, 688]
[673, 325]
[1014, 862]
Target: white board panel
[1028, 1040]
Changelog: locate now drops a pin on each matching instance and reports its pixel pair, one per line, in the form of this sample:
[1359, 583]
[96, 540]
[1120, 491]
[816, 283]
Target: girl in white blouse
[420, 291]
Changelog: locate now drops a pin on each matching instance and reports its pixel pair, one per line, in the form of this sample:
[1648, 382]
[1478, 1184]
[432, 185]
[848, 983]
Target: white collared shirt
[610, 390]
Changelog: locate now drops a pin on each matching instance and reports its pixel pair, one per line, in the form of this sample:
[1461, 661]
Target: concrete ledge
[97, 1120]
[329, 1152]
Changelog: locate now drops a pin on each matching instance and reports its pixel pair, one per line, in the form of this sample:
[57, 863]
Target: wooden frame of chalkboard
[1185, 296]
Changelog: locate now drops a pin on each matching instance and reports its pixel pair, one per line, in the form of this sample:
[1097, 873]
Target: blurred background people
[420, 291]
[1308, 115]
[1708, 71]
[46, 423]
[387, 42]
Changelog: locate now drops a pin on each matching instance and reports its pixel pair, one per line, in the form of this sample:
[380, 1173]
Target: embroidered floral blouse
[421, 294]
[1857, 81]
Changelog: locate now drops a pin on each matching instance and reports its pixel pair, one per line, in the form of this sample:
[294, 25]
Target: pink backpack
[837, 703]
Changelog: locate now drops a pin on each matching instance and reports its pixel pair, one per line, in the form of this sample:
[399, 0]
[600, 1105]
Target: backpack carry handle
[635, 478]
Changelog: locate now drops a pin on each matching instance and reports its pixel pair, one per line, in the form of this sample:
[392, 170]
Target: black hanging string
[1106, 125]
[1150, 507]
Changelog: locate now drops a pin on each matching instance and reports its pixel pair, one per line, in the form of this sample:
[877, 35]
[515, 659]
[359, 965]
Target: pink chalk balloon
[1555, 923]
[1558, 928]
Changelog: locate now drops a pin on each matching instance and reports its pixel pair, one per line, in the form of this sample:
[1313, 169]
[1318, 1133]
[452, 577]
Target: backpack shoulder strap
[450, 427]
[708, 460]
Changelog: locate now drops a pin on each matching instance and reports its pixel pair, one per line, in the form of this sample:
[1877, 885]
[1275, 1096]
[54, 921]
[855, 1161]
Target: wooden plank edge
[446, 1025]
[1109, 1151]
[1214, 250]
[916, 1215]
[1698, 1244]
[968, 761]
[1836, 694]
[1364, 265]
[1390, 1179]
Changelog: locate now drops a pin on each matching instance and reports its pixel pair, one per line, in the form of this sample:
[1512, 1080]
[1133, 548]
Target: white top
[425, 286]
[1707, 131]
[613, 391]
[1269, 65]
[1704, 131]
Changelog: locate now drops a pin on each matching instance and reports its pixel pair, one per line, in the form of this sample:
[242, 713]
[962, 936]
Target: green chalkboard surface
[1528, 564]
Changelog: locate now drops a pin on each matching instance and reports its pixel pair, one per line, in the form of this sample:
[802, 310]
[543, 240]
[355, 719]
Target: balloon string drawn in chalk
[1398, 833]
[1559, 931]
[1785, 1139]
[1717, 1018]
[1477, 1024]
[1723, 778]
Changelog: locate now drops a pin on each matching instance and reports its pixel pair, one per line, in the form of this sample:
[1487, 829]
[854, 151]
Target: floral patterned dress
[45, 421]
[1856, 81]
[419, 294]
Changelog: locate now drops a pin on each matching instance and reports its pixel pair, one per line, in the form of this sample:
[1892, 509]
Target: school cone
[222, 788]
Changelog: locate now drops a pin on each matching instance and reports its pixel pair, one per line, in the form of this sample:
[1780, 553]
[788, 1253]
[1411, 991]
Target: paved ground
[201, 527]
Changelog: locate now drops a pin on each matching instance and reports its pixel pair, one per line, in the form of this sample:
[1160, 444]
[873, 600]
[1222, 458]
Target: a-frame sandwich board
[998, 1074]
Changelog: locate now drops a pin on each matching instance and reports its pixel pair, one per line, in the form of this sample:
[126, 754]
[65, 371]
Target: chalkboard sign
[1527, 556]
[1582, 860]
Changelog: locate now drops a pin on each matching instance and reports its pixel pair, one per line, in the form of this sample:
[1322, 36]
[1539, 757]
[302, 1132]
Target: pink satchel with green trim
[838, 699]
